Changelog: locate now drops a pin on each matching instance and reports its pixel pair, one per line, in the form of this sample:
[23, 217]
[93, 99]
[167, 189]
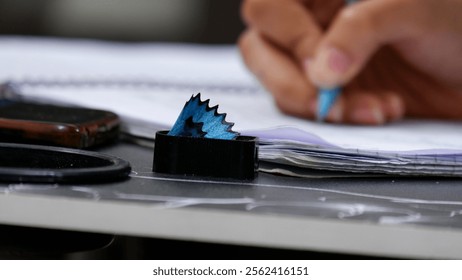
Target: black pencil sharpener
[206, 157]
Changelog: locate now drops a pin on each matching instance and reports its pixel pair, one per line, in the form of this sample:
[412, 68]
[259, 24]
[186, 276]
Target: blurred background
[193, 21]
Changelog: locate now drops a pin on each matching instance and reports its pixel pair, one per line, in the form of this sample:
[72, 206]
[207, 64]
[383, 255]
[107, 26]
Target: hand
[393, 58]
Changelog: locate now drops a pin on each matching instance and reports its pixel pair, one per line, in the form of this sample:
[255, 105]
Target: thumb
[356, 33]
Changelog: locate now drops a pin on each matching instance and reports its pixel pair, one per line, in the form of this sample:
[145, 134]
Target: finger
[324, 11]
[392, 106]
[356, 33]
[371, 107]
[279, 74]
[286, 23]
[363, 108]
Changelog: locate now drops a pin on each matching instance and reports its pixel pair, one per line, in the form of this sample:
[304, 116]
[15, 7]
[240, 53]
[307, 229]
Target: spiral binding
[128, 83]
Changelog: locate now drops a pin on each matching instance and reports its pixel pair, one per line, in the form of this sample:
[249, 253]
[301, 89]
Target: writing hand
[394, 58]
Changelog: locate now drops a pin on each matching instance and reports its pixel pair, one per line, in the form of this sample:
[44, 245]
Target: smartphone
[48, 124]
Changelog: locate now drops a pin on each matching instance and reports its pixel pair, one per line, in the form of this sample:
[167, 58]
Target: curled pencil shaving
[198, 119]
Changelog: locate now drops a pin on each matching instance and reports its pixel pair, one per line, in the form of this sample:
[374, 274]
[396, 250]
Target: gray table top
[377, 216]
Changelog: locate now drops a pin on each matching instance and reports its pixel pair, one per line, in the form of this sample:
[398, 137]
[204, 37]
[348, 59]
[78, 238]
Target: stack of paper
[319, 155]
[148, 85]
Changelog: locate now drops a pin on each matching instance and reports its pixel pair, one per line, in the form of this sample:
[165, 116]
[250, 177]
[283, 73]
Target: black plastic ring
[47, 164]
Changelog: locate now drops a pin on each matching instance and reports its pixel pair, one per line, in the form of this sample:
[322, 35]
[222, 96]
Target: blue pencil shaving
[327, 96]
[326, 100]
[198, 119]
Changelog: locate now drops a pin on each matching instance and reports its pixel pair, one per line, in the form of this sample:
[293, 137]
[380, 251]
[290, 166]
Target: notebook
[147, 84]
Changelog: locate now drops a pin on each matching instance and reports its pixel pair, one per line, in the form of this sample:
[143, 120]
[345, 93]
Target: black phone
[57, 125]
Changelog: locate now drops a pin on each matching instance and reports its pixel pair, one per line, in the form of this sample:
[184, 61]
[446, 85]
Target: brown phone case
[74, 127]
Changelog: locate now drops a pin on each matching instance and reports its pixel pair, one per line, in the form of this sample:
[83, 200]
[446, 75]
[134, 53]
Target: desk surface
[388, 216]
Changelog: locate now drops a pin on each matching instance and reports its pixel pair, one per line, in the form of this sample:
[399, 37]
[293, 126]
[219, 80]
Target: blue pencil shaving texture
[326, 100]
[197, 119]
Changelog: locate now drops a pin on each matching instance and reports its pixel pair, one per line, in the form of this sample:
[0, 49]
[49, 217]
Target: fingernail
[378, 116]
[368, 116]
[329, 67]
[338, 61]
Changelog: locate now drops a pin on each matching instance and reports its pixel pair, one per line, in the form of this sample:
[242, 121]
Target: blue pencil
[327, 96]
[326, 99]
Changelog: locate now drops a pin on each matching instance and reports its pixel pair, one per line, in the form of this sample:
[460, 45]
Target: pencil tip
[326, 99]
